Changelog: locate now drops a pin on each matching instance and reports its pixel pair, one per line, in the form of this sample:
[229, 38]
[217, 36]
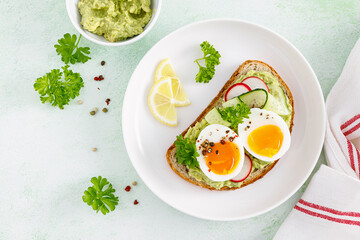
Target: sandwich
[240, 135]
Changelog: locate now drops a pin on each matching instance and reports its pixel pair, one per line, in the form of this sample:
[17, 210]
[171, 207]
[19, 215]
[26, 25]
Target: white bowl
[75, 17]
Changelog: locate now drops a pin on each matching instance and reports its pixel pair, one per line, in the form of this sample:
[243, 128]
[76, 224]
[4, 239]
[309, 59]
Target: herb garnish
[235, 114]
[58, 90]
[70, 51]
[58, 87]
[211, 57]
[100, 199]
[186, 152]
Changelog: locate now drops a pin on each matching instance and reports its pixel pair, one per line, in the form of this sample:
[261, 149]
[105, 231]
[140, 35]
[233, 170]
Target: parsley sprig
[186, 152]
[58, 87]
[211, 57]
[235, 114]
[100, 198]
[70, 51]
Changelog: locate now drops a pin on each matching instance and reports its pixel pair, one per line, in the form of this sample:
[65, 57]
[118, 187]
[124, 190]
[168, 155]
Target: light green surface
[46, 160]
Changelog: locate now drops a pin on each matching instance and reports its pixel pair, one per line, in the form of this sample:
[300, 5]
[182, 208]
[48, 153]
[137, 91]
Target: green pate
[116, 20]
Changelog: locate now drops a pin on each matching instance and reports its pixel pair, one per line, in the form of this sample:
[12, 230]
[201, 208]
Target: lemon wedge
[164, 70]
[161, 102]
[178, 93]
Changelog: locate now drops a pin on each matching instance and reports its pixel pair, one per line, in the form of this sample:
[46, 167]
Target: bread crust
[248, 65]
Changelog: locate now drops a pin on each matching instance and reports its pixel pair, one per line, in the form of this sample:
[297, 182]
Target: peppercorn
[128, 188]
[92, 113]
[94, 149]
[204, 152]
[209, 150]
[136, 202]
[212, 144]
[222, 141]
[102, 63]
[217, 152]
[231, 139]
[105, 110]
[134, 183]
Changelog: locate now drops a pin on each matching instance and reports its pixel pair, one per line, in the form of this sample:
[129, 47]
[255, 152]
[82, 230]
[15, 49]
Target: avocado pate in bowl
[113, 22]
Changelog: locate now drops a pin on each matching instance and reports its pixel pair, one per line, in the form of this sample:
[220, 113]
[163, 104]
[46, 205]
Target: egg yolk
[223, 158]
[266, 140]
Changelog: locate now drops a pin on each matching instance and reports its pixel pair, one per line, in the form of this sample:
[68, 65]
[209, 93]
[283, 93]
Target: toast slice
[182, 170]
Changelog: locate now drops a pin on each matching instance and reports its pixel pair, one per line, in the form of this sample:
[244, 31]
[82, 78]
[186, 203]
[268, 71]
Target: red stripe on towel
[330, 210]
[351, 156]
[358, 157]
[356, 127]
[347, 123]
[323, 216]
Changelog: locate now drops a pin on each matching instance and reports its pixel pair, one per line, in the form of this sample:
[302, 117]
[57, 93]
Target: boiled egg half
[265, 135]
[221, 152]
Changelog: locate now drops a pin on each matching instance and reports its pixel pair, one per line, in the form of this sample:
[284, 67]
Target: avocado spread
[280, 104]
[116, 20]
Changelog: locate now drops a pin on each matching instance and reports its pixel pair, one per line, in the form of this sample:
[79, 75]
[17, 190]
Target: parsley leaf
[235, 114]
[98, 198]
[211, 57]
[186, 152]
[58, 90]
[69, 50]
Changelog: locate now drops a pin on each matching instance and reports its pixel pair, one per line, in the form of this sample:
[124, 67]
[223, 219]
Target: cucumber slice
[231, 102]
[256, 98]
[214, 117]
[277, 106]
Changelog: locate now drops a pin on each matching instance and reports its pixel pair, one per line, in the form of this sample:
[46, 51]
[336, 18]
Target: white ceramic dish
[75, 17]
[147, 140]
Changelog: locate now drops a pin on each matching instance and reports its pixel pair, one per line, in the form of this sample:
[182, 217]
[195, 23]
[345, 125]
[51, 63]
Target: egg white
[260, 117]
[215, 133]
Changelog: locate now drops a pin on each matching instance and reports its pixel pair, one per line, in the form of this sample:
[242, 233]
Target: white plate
[147, 140]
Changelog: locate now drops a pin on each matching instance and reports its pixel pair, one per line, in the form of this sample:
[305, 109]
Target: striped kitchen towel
[329, 209]
[342, 141]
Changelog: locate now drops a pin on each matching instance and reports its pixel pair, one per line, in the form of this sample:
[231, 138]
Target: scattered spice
[92, 113]
[128, 188]
[204, 152]
[222, 141]
[102, 63]
[98, 88]
[80, 102]
[99, 78]
[217, 152]
[212, 144]
[249, 122]
[94, 149]
[209, 150]
[95, 109]
[134, 183]
[210, 163]
[136, 202]
[107, 101]
[231, 139]
[227, 131]
[105, 110]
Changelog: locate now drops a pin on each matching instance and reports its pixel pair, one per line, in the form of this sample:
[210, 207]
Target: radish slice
[255, 83]
[236, 90]
[245, 171]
